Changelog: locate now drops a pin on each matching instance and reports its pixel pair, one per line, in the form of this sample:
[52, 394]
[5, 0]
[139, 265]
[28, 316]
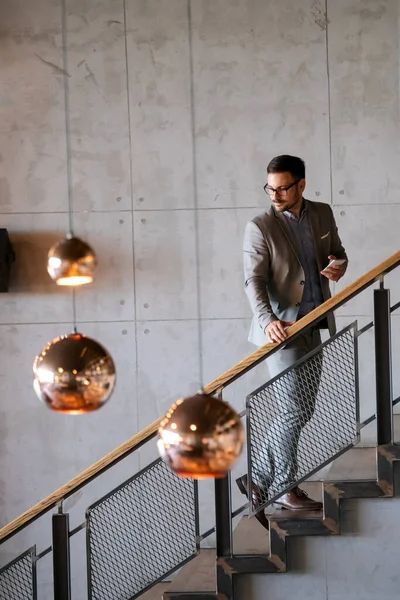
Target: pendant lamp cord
[74, 329]
[67, 112]
[70, 233]
[195, 192]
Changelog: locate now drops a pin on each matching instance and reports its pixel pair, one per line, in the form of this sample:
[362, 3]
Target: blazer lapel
[315, 227]
[283, 224]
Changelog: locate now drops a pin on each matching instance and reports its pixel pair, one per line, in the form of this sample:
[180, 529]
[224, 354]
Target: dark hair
[288, 164]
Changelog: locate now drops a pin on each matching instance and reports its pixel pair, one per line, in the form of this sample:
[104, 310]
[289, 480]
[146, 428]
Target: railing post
[223, 521]
[383, 366]
[61, 563]
[223, 531]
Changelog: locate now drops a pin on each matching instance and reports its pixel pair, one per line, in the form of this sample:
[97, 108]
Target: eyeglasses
[280, 191]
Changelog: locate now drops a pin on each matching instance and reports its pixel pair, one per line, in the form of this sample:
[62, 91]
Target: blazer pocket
[323, 237]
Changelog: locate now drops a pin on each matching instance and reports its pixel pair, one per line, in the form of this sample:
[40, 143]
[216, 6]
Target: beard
[281, 206]
[284, 204]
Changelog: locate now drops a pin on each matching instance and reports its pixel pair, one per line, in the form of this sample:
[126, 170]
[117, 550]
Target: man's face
[285, 199]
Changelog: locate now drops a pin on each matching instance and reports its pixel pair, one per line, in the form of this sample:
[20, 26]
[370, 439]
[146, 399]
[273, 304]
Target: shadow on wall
[28, 272]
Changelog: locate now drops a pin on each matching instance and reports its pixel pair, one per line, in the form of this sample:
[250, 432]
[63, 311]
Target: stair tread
[358, 463]
[198, 575]
[284, 515]
[250, 537]
[355, 464]
[156, 592]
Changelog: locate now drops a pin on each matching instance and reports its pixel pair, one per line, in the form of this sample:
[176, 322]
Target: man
[285, 252]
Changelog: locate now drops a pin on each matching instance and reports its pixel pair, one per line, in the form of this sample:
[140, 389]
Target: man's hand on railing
[276, 331]
[336, 272]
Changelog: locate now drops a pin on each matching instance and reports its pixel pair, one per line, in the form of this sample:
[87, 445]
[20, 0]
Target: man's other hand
[334, 273]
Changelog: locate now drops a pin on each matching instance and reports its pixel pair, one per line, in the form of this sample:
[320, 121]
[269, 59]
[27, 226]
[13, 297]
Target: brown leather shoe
[297, 499]
[243, 484]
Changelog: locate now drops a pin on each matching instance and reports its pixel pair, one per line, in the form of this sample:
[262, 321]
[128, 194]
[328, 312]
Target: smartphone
[335, 263]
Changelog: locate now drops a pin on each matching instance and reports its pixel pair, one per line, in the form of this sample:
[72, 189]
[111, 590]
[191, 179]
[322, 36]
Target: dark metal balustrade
[140, 532]
[323, 388]
[18, 578]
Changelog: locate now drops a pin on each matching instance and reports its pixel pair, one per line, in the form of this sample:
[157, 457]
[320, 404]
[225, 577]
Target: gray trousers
[276, 465]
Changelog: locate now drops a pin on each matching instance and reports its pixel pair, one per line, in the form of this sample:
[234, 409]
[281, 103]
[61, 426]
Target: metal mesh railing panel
[17, 580]
[303, 418]
[141, 532]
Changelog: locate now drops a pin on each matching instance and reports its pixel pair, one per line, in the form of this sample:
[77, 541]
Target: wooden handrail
[223, 380]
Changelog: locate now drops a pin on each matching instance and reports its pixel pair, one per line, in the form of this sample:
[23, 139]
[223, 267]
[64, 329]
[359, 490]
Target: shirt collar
[303, 210]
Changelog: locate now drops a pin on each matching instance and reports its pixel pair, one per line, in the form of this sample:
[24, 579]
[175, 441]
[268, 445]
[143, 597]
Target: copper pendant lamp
[74, 374]
[201, 437]
[70, 262]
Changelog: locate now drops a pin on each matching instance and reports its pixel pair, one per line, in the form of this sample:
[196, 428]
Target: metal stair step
[250, 537]
[298, 522]
[198, 575]
[295, 515]
[357, 463]
[156, 592]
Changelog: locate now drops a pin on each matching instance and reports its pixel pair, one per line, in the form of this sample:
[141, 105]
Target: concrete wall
[176, 108]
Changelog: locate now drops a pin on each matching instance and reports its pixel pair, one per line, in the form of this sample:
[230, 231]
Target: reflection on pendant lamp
[201, 437]
[71, 261]
[74, 374]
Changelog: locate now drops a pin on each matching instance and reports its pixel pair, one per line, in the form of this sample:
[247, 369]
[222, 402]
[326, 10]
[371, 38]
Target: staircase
[143, 538]
[360, 473]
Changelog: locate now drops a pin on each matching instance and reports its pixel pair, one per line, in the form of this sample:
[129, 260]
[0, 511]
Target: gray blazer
[272, 268]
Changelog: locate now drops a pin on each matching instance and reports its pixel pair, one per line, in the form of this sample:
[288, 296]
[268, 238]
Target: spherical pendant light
[74, 374]
[200, 437]
[71, 262]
